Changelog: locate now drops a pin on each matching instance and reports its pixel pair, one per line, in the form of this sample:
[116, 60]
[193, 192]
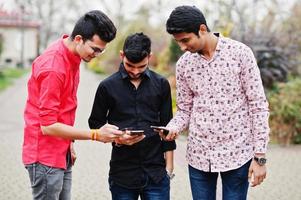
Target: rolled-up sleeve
[51, 86]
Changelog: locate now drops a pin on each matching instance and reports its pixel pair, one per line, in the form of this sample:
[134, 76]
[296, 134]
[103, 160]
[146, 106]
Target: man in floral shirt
[221, 100]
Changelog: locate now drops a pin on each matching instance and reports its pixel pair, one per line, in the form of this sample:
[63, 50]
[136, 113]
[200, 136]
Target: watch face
[262, 161]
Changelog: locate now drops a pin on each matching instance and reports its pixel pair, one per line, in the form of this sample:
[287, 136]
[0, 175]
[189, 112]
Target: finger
[265, 175]
[250, 174]
[255, 181]
[168, 137]
[116, 132]
[138, 139]
[162, 135]
[174, 136]
[157, 130]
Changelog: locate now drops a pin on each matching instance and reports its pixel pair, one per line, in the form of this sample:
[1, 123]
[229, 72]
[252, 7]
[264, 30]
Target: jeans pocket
[31, 168]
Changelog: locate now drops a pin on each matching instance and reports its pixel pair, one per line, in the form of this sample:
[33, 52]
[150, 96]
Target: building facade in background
[19, 39]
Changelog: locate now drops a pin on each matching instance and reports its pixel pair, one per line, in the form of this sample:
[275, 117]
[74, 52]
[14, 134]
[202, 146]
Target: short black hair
[94, 22]
[136, 47]
[185, 19]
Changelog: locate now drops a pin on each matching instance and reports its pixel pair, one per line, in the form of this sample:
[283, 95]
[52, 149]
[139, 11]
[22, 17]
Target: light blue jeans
[49, 183]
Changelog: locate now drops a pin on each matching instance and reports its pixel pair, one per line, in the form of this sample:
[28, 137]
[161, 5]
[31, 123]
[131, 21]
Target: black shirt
[118, 102]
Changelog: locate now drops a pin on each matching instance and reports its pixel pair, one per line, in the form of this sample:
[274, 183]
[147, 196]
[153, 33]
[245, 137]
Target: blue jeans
[49, 183]
[234, 182]
[151, 191]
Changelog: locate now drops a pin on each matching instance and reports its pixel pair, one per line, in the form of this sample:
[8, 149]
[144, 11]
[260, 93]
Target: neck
[136, 82]
[70, 44]
[210, 46]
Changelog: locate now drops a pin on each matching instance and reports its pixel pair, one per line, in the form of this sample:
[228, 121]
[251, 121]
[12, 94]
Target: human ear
[78, 39]
[121, 54]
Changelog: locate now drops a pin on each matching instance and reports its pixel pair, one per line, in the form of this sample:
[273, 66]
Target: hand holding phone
[161, 128]
[136, 132]
[132, 132]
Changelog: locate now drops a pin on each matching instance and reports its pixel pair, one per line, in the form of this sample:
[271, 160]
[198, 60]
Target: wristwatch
[260, 160]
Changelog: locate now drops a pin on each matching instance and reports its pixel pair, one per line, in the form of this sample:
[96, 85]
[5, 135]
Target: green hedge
[285, 115]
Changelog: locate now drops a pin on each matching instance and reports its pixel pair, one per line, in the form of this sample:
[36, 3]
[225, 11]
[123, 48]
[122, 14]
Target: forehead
[97, 42]
[142, 63]
[183, 35]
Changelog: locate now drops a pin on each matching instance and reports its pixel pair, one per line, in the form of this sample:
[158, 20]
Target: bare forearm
[169, 160]
[66, 131]
[106, 133]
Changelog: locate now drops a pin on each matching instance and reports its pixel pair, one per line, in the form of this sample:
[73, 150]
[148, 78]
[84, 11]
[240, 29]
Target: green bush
[175, 51]
[285, 117]
[8, 74]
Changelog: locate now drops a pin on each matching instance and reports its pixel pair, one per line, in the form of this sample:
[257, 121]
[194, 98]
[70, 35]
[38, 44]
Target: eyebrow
[97, 48]
[183, 39]
[141, 66]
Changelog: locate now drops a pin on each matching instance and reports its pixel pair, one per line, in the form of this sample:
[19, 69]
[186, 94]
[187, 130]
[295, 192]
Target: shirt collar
[125, 75]
[221, 43]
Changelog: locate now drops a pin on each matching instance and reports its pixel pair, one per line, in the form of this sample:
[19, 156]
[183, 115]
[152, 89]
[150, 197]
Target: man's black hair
[185, 19]
[136, 47]
[94, 22]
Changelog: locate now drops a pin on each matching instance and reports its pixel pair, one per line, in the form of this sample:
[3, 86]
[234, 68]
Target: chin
[86, 59]
[192, 51]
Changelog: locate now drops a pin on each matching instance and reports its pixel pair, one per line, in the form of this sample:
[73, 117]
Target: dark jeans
[151, 191]
[235, 183]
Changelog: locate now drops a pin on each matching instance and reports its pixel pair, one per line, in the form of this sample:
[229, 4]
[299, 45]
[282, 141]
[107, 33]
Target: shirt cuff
[169, 146]
[47, 119]
[261, 146]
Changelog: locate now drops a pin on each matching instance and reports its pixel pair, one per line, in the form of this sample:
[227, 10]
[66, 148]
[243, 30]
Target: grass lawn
[8, 74]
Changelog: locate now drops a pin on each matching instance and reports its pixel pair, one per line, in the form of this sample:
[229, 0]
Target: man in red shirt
[51, 104]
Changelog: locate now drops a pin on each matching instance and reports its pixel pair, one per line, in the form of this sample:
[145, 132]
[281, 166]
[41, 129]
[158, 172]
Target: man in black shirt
[136, 98]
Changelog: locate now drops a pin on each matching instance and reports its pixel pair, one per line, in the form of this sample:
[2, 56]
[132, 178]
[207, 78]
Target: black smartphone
[136, 132]
[165, 131]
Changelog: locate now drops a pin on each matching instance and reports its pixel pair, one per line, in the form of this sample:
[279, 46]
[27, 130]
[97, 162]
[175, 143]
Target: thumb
[111, 126]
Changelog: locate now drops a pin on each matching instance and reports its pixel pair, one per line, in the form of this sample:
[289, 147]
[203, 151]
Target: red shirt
[51, 98]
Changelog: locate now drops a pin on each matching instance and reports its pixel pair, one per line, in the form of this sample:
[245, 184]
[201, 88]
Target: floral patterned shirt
[222, 103]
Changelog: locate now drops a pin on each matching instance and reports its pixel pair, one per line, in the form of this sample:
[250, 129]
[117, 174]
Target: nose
[136, 71]
[182, 46]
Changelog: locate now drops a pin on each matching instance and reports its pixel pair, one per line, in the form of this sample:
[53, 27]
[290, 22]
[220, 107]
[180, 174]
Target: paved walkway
[91, 170]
